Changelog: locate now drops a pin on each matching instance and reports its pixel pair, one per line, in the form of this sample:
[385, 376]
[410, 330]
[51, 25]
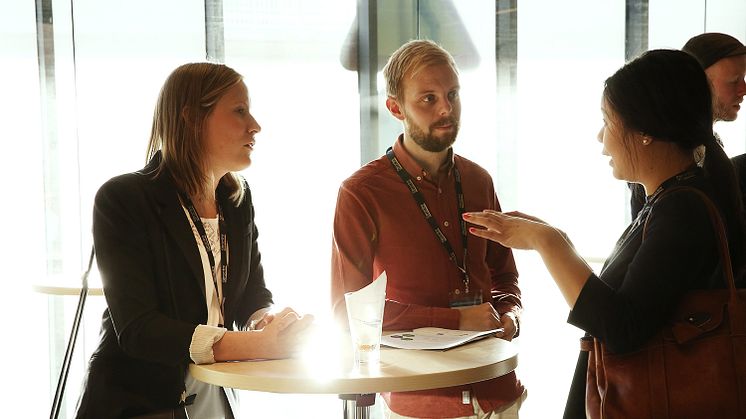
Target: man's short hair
[409, 58]
[709, 48]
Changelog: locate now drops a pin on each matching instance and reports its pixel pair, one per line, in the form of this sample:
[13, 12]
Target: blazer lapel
[177, 225]
[235, 224]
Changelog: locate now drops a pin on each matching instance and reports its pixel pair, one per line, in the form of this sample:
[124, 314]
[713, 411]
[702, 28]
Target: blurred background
[79, 80]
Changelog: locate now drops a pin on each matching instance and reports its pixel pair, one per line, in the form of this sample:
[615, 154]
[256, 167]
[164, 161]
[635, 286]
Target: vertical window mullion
[367, 70]
[506, 56]
[50, 149]
[214, 31]
[636, 28]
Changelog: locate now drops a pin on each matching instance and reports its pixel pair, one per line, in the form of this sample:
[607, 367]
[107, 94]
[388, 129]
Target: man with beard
[723, 58]
[402, 214]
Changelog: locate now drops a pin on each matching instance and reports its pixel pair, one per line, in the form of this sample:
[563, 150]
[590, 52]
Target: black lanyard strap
[208, 248]
[420, 200]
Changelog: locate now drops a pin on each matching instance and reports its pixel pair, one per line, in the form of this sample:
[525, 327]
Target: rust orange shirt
[378, 226]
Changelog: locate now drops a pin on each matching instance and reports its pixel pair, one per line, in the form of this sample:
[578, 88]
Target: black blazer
[154, 285]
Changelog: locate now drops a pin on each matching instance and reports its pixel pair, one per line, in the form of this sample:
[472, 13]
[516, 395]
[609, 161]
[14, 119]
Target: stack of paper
[434, 338]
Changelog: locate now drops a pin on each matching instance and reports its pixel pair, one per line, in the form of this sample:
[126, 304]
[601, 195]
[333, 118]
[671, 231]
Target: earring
[646, 141]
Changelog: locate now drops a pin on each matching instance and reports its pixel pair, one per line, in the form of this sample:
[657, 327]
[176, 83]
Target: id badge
[459, 298]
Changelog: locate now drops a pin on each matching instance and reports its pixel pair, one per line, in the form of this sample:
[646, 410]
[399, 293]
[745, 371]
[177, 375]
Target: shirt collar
[410, 164]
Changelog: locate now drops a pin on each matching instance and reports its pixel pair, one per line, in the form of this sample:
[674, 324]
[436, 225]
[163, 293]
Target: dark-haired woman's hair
[665, 94]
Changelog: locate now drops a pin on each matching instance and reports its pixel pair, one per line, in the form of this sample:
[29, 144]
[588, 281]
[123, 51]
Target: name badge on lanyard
[460, 298]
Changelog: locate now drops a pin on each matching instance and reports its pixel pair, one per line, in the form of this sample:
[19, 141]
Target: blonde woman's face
[229, 131]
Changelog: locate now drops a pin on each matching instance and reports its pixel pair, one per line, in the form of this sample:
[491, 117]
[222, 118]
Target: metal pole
[71, 343]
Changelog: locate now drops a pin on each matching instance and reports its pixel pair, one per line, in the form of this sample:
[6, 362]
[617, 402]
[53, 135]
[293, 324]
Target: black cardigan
[643, 280]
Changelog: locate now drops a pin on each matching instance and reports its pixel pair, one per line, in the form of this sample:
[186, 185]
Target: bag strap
[586, 343]
[718, 227]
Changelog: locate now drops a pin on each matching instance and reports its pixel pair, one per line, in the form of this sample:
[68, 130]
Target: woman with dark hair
[657, 109]
[177, 250]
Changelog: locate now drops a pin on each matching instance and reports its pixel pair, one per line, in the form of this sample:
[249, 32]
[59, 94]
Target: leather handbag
[695, 367]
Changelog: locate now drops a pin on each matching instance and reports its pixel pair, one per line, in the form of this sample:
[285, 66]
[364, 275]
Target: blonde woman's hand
[284, 333]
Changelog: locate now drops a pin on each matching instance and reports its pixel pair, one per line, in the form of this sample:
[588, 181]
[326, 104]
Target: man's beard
[722, 112]
[430, 142]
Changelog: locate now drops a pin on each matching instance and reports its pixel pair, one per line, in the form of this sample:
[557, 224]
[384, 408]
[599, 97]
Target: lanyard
[206, 242]
[644, 213]
[420, 200]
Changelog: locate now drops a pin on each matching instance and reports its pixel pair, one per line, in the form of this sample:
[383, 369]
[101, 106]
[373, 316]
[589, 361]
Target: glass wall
[307, 104]
[81, 78]
[23, 207]
[561, 176]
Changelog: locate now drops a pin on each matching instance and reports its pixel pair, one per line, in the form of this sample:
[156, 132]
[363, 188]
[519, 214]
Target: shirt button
[446, 223]
[440, 190]
[419, 177]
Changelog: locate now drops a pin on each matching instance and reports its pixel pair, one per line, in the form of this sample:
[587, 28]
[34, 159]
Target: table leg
[357, 406]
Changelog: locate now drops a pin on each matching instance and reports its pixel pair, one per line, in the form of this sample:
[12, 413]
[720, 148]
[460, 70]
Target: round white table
[332, 371]
[65, 289]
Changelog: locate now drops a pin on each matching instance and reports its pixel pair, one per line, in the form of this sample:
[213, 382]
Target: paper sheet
[434, 338]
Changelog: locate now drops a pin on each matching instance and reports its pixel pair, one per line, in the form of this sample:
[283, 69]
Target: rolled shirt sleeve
[200, 349]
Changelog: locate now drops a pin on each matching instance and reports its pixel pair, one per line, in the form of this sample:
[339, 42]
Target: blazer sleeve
[255, 295]
[123, 228]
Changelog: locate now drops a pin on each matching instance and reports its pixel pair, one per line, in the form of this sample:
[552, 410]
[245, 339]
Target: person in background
[723, 58]
[651, 127]
[177, 250]
[402, 213]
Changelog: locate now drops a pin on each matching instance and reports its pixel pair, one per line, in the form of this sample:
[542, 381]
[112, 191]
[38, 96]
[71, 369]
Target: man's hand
[510, 326]
[481, 317]
[485, 317]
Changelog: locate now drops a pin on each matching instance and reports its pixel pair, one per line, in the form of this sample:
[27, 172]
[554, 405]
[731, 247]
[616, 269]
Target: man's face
[729, 87]
[430, 107]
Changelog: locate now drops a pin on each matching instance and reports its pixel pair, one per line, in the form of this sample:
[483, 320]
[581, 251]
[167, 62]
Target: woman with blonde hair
[177, 250]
